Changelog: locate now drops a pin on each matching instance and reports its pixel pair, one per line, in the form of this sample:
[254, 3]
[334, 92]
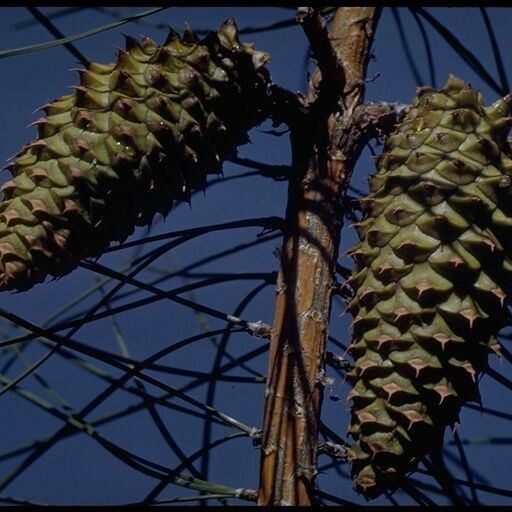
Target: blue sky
[78, 470]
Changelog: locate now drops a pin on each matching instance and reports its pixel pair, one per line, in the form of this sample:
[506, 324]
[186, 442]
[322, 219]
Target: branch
[50, 44]
[41, 18]
[328, 64]
[276, 172]
[325, 146]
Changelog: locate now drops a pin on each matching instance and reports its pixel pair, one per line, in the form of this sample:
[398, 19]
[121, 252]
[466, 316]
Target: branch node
[324, 380]
[337, 361]
[378, 119]
[256, 434]
[259, 329]
[287, 107]
[336, 451]
[270, 225]
[246, 494]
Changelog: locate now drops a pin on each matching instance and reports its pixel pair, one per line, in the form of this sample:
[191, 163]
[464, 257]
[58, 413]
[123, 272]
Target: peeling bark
[325, 147]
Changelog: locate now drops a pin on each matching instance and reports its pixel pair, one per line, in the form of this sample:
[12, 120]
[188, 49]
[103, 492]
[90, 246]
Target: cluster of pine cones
[432, 269]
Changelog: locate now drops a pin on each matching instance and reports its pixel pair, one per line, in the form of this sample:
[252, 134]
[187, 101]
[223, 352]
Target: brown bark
[325, 148]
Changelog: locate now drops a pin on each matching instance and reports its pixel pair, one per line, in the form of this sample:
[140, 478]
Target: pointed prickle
[130, 42]
[189, 35]
[259, 59]
[172, 36]
[501, 108]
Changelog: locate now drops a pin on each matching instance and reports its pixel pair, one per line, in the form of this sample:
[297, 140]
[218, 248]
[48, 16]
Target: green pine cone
[134, 137]
[431, 275]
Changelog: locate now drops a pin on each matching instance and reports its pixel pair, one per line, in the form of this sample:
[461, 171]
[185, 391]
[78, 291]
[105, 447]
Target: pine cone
[430, 279]
[134, 137]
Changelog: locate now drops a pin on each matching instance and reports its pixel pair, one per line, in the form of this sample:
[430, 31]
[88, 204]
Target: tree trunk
[325, 148]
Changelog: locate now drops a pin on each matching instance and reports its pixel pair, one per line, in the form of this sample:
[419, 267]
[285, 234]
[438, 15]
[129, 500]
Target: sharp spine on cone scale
[431, 277]
[132, 138]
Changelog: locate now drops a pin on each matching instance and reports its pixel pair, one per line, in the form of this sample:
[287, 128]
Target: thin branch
[487, 410]
[466, 55]
[133, 369]
[65, 11]
[266, 27]
[162, 400]
[482, 487]
[411, 61]
[157, 490]
[101, 269]
[268, 223]
[41, 18]
[258, 330]
[19, 501]
[221, 254]
[152, 410]
[221, 349]
[466, 466]
[498, 377]
[277, 172]
[409, 487]
[51, 44]
[428, 49]
[495, 50]
[443, 477]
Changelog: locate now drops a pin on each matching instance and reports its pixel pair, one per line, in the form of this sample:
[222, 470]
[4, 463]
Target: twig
[428, 49]
[39, 16]
[405, 45]
[100, 269]
[50, 44]
[277, 172]
[465, 54]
